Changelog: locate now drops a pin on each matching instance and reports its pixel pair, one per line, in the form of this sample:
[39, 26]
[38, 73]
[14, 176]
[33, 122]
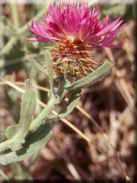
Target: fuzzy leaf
[17, 133]
[11, 131]
[48, 65]
[91, 78]
[71, 104]
[34, 142]
[62, 82]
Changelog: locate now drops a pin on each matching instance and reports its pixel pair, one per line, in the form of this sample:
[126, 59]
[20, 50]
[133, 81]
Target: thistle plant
[76, 31]
[73, 30]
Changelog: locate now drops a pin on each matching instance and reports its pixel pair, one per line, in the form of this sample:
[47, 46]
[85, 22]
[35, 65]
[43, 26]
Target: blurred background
[105, 114]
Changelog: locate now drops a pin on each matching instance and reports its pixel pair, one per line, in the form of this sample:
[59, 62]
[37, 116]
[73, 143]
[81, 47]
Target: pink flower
[76, 29]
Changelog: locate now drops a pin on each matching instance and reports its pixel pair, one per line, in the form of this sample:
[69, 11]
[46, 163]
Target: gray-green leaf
[17, 133]
[34, 142]
[71, 104]
[48, 65]
[91, 78]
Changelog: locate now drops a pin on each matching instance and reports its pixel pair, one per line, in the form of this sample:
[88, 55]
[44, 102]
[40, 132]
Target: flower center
[71, 39]
[74, 57]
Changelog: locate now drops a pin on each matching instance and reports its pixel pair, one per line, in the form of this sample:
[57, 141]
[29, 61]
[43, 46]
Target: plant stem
[21, 30]
[43, 115]
[15, 16]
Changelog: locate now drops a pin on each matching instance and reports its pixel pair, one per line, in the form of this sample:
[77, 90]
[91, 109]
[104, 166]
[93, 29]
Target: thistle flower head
[76, 29]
